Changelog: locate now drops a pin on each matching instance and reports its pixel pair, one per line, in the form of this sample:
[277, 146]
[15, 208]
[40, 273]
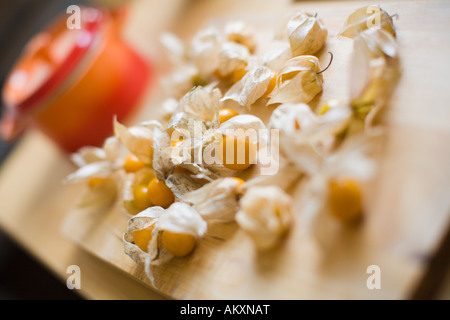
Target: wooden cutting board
[408, 216]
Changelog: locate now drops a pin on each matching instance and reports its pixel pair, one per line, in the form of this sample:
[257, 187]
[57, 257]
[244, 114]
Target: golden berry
[160, 194]
[143, 237]
[178, 244]
[133, 164]
[141, 199]
[236, 153]
[345, 199]
[226, 114]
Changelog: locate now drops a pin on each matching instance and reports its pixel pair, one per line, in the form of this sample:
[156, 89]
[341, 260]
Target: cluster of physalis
[173, 176]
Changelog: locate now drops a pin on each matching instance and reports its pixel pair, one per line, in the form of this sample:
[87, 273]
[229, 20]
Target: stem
[329, 64]
[395, 15]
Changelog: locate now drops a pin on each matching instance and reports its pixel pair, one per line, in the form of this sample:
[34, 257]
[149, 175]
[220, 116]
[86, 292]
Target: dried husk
[87, 155]
[181, 183]
[202, 103]
[140, 221]
[162, 154]
[169, 108]
[307, 34]
[250, 124]
[178, 122]
[204, 51]
[369, 17]
[133, 180]
[305, 138]
[178, 218]
[137, 139]
[182, 218]
[232, 56]
[104, 163]
[242, 33]
[179, 82]
[374, 73]
[210, 52]
[100, 169]
[175, 48]
[192, 132]
[113, 149]
[265, 215]
[95, 162]
[102, 195]
[216, 201]
[305, 84]
[251, 87]
[352, 160]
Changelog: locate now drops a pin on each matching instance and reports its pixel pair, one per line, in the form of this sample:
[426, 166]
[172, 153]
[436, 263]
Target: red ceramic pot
[72, 83]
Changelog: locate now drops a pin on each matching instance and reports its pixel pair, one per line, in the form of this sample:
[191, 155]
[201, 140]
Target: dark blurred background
[22, 277]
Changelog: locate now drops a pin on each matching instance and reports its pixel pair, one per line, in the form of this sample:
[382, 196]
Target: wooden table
[33, 202]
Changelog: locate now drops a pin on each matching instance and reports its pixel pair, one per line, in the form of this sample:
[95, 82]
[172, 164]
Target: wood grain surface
[409, 207]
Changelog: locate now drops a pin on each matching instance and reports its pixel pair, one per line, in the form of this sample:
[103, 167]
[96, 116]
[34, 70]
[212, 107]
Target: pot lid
[46, 61]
